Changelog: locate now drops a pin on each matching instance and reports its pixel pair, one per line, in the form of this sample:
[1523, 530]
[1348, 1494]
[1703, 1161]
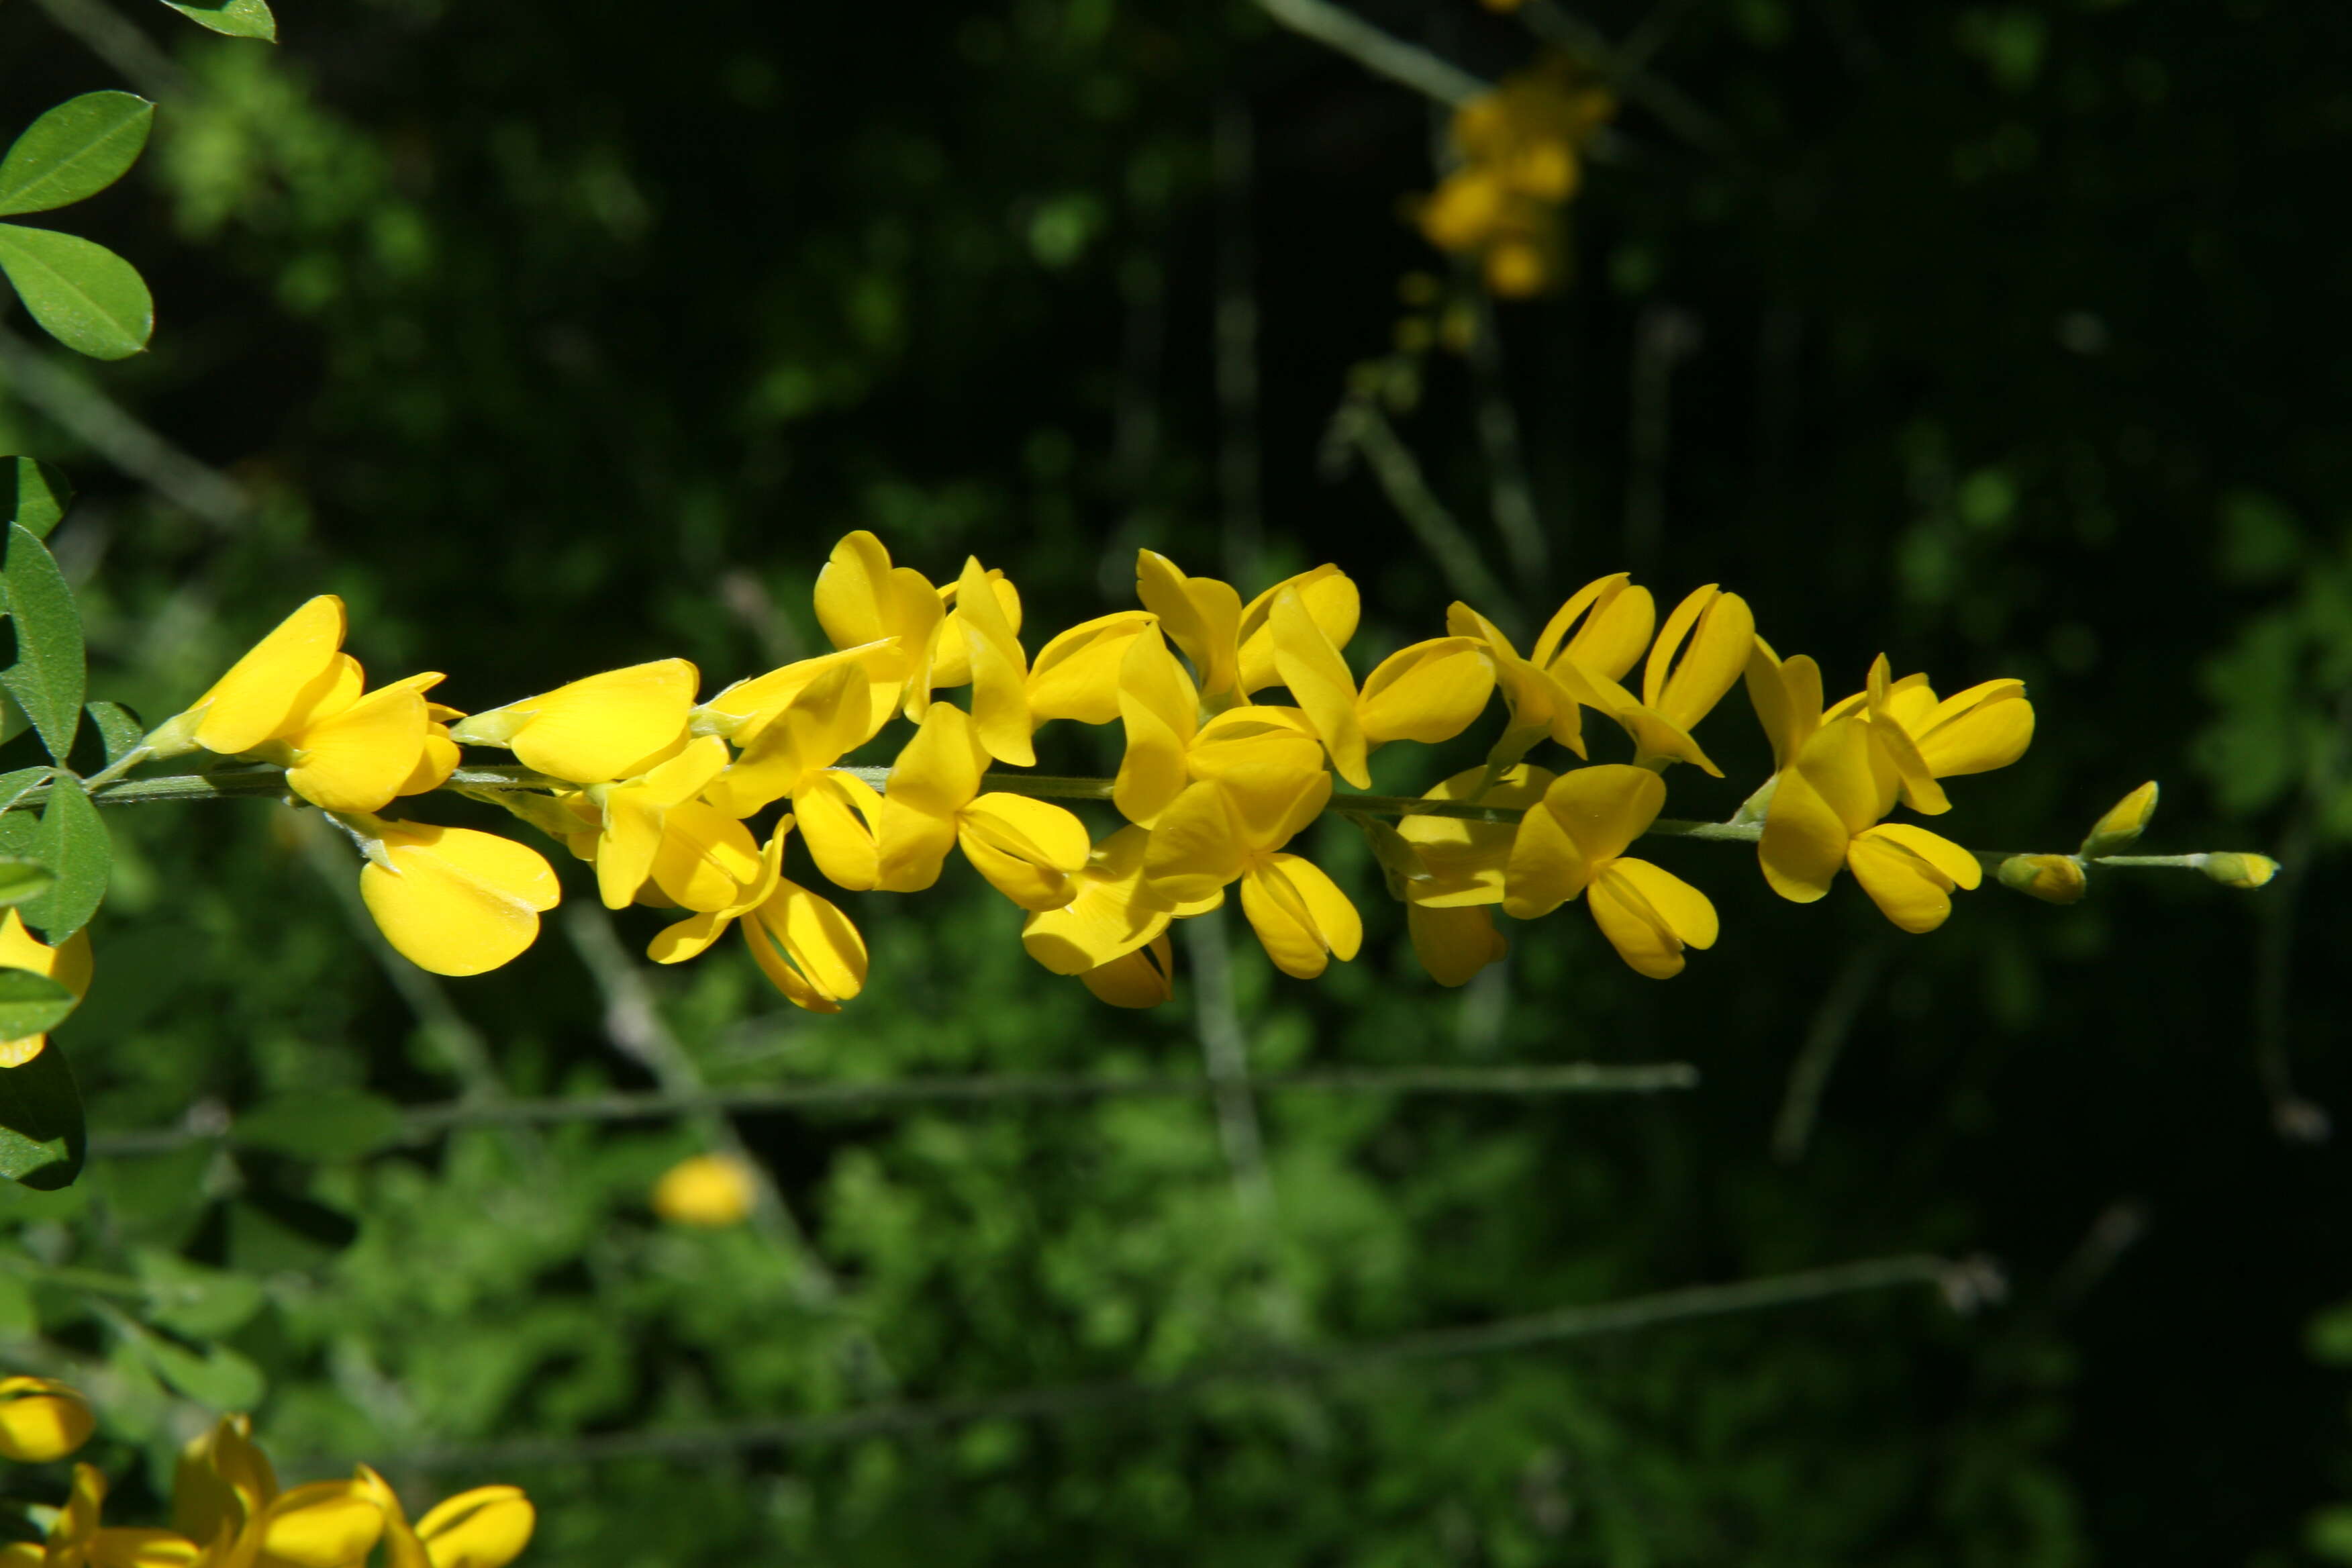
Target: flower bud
[2053, 879]
[2233, 870]
[41, 1419]
[2122, 823]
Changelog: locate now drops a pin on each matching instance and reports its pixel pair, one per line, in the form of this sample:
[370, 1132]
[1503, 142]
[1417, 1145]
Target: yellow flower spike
[951, 658]
[1112, 913]
[862, 599]
[358, 757]
[1454, 944]
[615, 725]
[2123, 823]
[1603, 626]
[1200, 616]
[1428, 692]
[1078, 674]
[1541, 705]
[280, 676]
[450, 899]
[1159, 708]
[1331, 602]
[636, 810]
[1000, 670]
[1909, 873]
[1300, 915]
[743, 710]
[709, 1192]
[1144, 978]
[1318, 678]
[41, 1419]
[69, 965]
[2053, 879]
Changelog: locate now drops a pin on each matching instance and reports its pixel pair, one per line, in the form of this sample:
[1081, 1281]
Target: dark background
[2009, 340]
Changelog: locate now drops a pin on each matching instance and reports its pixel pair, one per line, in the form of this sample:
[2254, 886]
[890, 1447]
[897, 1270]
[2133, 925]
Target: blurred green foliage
[555, 337]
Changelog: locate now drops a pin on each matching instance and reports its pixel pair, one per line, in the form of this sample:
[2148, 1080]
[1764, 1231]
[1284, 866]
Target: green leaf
[22, 880]
[37, 495]
[75, 150]
[73, 845]
[41, 1134]
[216, 1376]
[118, 727]
[83, 295]
[32, 1003]
[331, 1124]
[192, 1299]
[238, 18]
[51, 668]
[15, 786]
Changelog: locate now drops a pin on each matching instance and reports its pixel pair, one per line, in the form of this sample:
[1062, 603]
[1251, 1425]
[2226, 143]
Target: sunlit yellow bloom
[1455, 944]
[282, 676]
[1144, 978]
[355, 751]
[793, 757]
[740, 711]
[710, 1191]
[1112, 913]
[1311, 664]
[1603, 626]
[1786, 696]
[1458, 871]
[440, 758]
[862, 600]
[1028, 849]
[616, 725]
[2123, 823]
[1541, 705]
[1986, 727]
[1076, 675]
[68, 963]
[77, 1540]
[1520, 145]
[1824, 816]
[1000, 670]
[1167, 749]
[1232, 648]
[808, 949]
[1428, 692]
[1222, 830]
[655, 828]
[225, 1496]
[41, 1419]
[950, 655]
[450, 899]
[1699, 654]
[1573, 842]
[484, 1528]
[2053, 879]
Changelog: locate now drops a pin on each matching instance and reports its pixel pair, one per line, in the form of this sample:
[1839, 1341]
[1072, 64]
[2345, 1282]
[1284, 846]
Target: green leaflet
[74, 152]
[51, 670]
[82, 293]
[72, 843]
[22, 880]
[35, 494]
[31, 1004]
[41, 1135]
[236, 18]
[118, 727]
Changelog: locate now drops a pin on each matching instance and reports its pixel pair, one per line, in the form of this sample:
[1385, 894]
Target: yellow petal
[281, 675]
[840, 818]
[486, 1528]
[1855, 777]
[1804, 841]
[1605, 808]
[2123, 823]
[825, 719]
[456, 901]
[862, 599]
[613, 725]
[706, 860]
[1317, 675]
[1158, 708]
[1976, 731]
[741, 710]
[132, 1547]
[1540, 704]
[1195, 848]
[41, 1419]
[1786, 696]
[807, 948]
[1270, 806]
[1688, 912]
[1546, 868]
[1959, 865]
[1139, 979]
[1028, 849]
[1910, 891]
[2053, 879]
[1721, 631]
[1299, 915]
[1000, 672]
[1200, 615]
[1078, 675]
[626, 848]
[938, 771]
[1641, 935]
[1331, 602]
[434, 762]
[1453, 944]
[911, 846]
[1617, 621]
[1465, 859]
[951, 658]
[358, 759]
[1915, 780]
[326, 1524]
[1428, 692]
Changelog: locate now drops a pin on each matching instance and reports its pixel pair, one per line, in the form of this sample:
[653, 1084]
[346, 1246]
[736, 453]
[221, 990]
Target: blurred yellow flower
[1521, 160]
[712, 1191]
[68, 964]
[41, 1419]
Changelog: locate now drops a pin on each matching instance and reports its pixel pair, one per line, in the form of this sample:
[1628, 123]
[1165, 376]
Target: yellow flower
[1232, 828]
[41, 1419]
[1821, 819]
[1603, 626]
[68, 964]
[708, 1191]
[861, 601]
[740, 711]
[1111, 915]
[1027, 849]
[2123, 823]
[654, 828]
[1520, 148]
[225, 1498]
[1542, 702]
[999, 669]
[792, 758]
[1453, 944]
[1986, 727]
[1573, 843]
[1428, 692]
[1460, 866]
[808, 949]
[277, 679]
[1140, 979]
[77, 1540]
[450, 899]
[484, 1528]
[2053, 879]
[1232, 648]
[616, 725]
[1076, 675]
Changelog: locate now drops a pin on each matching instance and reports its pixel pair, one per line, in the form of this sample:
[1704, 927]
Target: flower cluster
[1521, 158]
[229, 1510]
[1240, 720]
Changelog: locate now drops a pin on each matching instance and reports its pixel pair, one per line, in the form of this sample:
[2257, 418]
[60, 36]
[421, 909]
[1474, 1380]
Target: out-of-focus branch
[1338, 28]
[113, 39]
[1624, 70]
[1810, 1074]
[1360, 427]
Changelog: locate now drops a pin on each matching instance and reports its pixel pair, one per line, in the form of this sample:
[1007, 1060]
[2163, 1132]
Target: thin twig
[1380, 53]
[1810, 1074]
[116, 40]
[1224, 1056]
[1960, 1283]
[1510, 496]
[1238, 456]
[1624, 71]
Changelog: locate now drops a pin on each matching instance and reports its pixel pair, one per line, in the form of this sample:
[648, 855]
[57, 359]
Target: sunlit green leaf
[82, 293]
[238, 18]
[73, 844]
[75, 150]
[36, 494]
[51, 668]
[41, 1134]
